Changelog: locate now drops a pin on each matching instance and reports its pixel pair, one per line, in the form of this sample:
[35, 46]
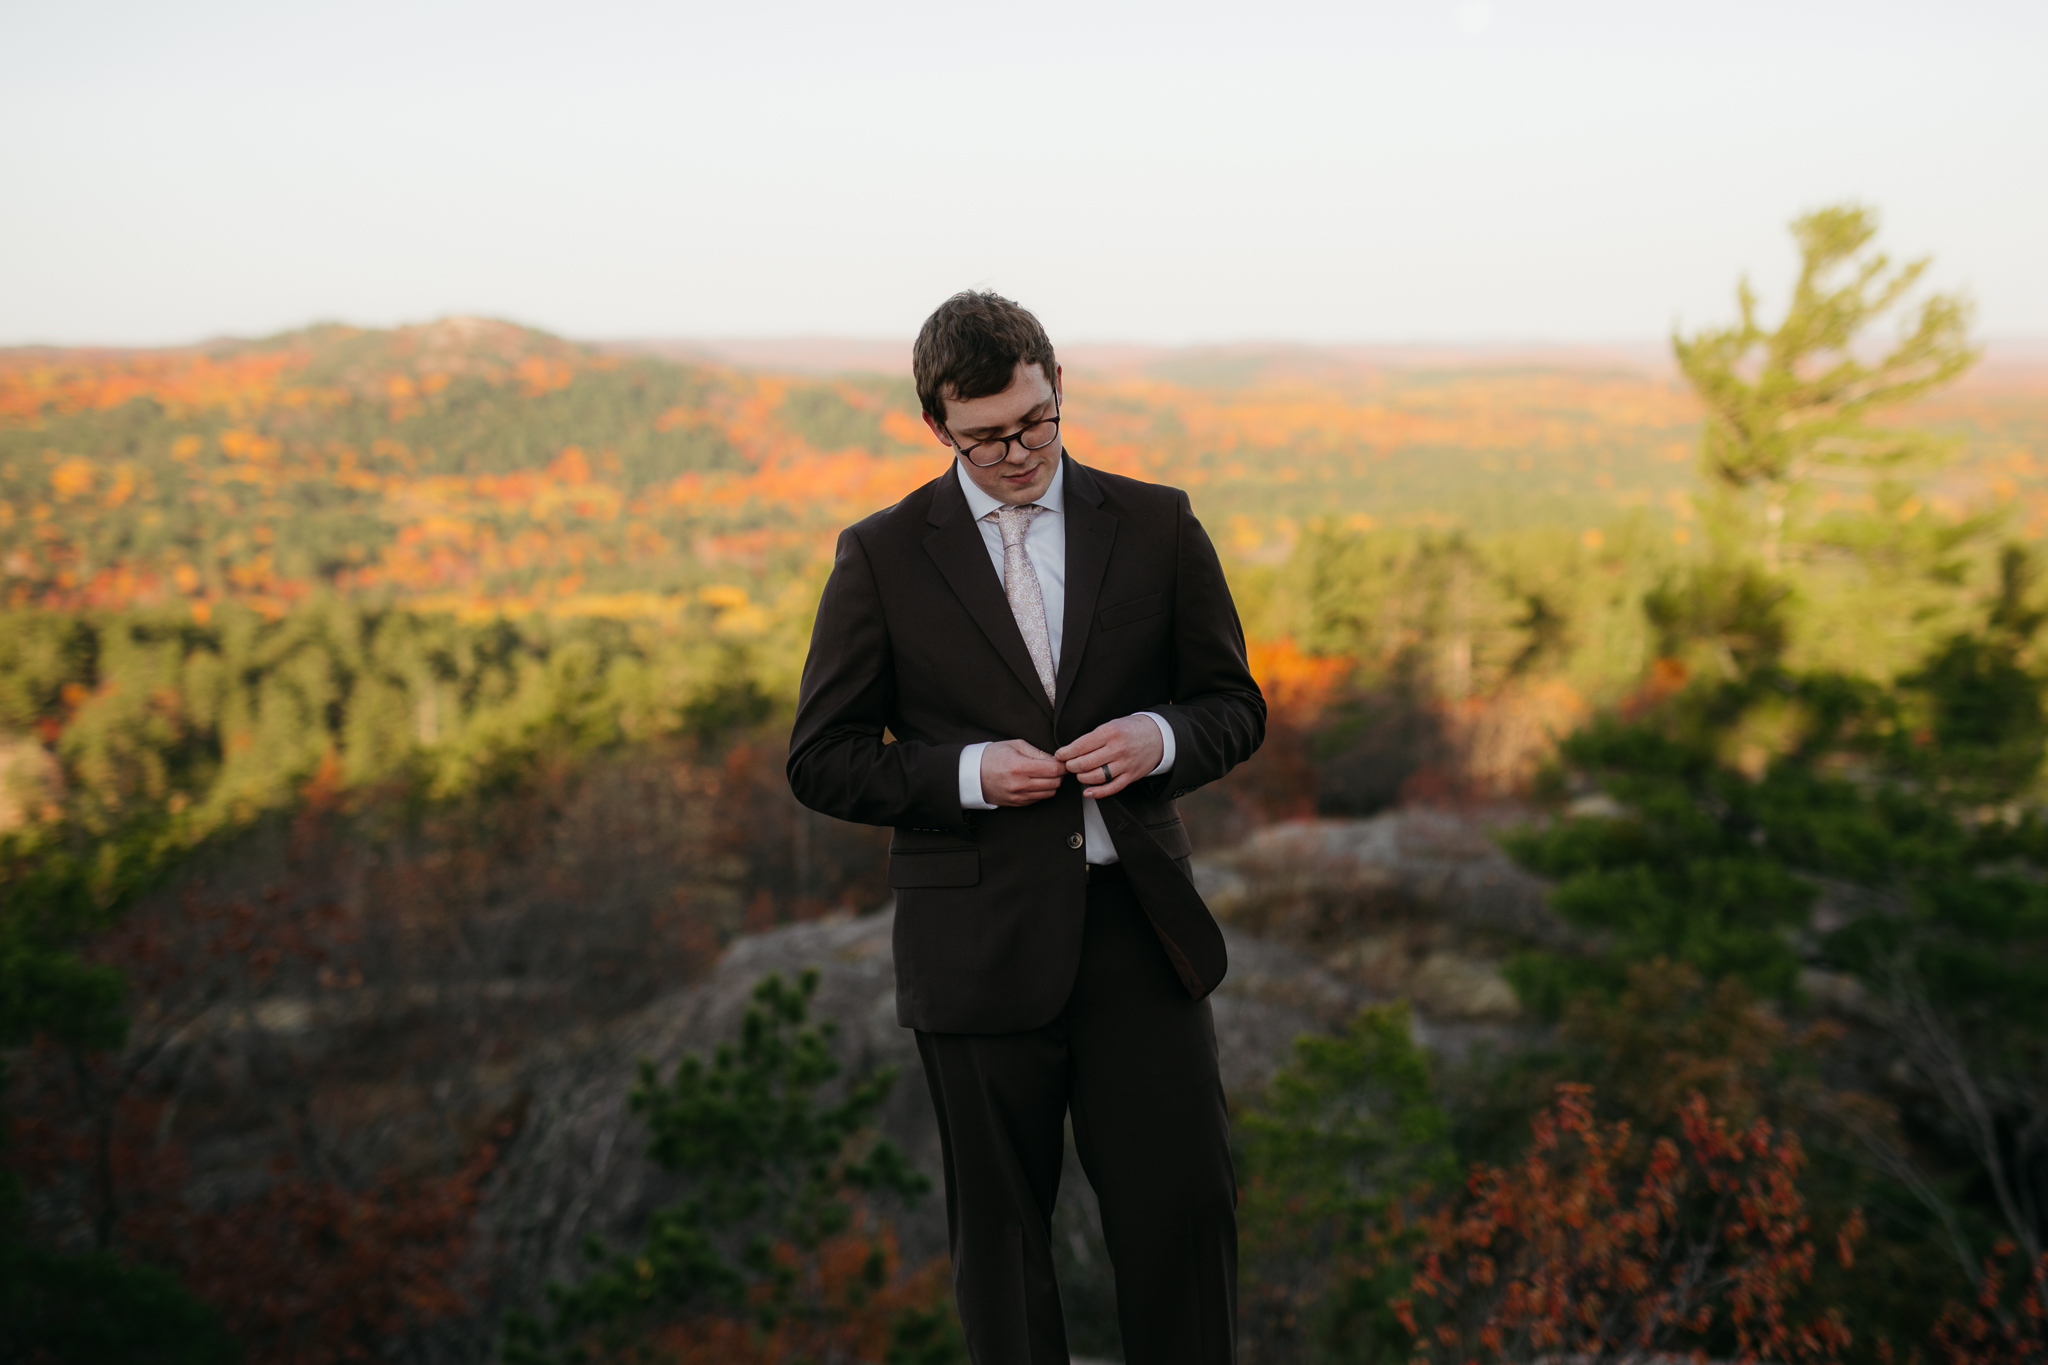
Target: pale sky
[1427, 170]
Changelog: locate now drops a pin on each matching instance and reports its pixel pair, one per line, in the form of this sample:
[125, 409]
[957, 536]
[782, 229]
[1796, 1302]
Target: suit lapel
[957, 548]
[1091, 532]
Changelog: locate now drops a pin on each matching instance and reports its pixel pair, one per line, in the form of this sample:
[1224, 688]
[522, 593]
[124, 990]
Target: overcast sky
[1427, 170]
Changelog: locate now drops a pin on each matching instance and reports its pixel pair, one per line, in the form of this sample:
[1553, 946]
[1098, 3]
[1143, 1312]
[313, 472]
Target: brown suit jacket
[915, 638]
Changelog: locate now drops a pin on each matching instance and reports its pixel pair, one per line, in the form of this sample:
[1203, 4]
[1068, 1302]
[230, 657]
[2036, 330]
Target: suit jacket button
[1074, 841]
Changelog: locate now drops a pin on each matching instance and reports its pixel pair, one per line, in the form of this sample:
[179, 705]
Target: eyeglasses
[1035, 436]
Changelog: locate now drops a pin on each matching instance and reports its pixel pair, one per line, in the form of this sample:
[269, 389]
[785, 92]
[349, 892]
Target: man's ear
[1057, 371]
[936, 429]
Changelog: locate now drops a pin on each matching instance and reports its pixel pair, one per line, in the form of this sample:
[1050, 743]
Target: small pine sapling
[771, 1255]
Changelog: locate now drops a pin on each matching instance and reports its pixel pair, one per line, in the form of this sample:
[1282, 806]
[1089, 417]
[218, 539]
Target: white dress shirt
[1045, 540]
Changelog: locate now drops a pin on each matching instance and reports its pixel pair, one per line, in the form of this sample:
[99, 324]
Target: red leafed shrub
[313, 1273]
[1592, 1249]
[313, 1268]
[1995, 1331]
[872, 1309]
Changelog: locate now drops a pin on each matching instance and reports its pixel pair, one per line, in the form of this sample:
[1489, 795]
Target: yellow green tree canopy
[1786, 405]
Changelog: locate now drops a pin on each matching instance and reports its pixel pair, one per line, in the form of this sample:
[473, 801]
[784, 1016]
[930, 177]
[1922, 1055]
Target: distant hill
[474, 465]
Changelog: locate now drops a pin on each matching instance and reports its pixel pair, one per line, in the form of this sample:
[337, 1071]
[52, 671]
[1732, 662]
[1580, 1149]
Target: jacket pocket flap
[1172, 839]
[907, 840]
[961, 868]
[1123, 613]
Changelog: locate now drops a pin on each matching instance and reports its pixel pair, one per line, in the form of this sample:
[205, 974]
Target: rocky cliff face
[576, 1168]
[1417, 903]
[1321, 918]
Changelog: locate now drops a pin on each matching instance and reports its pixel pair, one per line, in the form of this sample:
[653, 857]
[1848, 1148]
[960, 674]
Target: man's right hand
[1014, 773]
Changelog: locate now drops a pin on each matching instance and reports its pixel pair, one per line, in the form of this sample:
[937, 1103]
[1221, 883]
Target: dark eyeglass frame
[1002, 443]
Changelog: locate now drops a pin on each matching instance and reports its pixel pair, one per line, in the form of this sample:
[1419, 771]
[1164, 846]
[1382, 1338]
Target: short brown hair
[970, 348]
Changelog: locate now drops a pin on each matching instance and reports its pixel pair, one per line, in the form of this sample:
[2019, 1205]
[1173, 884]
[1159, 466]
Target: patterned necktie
[1020, 585]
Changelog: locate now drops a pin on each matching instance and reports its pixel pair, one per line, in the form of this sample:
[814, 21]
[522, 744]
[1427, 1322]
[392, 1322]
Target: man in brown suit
[1020, 667]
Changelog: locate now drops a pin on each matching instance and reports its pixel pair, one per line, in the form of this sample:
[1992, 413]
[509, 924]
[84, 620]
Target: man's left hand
[1130, 748]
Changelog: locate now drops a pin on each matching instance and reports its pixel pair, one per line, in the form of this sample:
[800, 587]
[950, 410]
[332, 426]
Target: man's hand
[1131, 748]
[1014, 773]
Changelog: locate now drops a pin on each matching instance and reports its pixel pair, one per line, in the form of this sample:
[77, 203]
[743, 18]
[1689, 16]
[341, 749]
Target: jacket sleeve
[839, 762]
[1217, 712]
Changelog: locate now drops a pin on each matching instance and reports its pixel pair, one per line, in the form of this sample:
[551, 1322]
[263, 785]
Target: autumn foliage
[2008, 1323]
[314, 1266]
[478, 465]
[314, 1272]
[507, 626]
[1592, 1249]
[868, 1306]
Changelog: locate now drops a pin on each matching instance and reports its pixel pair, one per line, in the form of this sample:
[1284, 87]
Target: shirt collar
[981, 504]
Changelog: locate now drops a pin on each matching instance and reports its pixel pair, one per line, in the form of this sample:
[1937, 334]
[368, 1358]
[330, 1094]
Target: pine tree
[1789, 404]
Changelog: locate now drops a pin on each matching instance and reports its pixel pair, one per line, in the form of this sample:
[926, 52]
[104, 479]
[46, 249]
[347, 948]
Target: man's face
[1024, 475]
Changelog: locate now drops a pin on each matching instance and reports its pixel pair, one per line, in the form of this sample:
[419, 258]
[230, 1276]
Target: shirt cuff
[970, 775]
[1166, 737]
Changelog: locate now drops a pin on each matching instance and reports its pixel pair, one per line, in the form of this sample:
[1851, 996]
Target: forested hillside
[383, 710]
[224, 564]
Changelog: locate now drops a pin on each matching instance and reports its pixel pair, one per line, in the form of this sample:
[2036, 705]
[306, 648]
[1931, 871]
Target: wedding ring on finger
[1106, 777]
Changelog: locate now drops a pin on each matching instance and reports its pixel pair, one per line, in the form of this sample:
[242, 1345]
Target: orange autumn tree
[1589, 1251]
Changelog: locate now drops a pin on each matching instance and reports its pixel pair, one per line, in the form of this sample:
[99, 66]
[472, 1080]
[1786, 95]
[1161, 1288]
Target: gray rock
[1318, 879]
[577, 1167]
[1321, 918]
[1417, 903]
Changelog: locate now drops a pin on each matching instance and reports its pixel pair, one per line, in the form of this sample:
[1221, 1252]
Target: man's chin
[1025, 490]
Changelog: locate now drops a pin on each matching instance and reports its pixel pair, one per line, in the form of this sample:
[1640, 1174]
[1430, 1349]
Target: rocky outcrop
[1321, 918]
[577, 1167]
[1416, 903]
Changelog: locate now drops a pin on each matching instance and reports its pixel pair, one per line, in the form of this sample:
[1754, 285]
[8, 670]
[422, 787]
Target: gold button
[1073, 841]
